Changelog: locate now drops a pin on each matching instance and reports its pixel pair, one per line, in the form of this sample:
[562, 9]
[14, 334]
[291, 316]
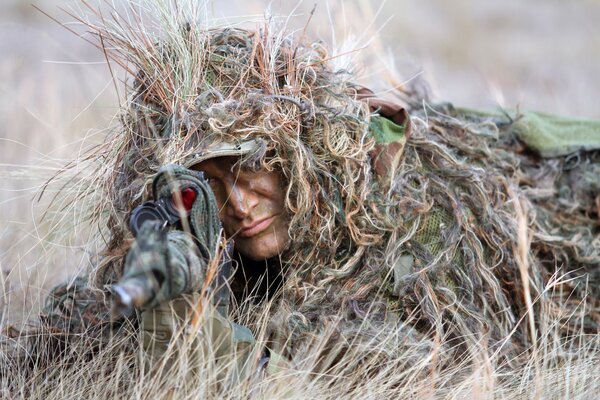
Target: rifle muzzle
[130, 294]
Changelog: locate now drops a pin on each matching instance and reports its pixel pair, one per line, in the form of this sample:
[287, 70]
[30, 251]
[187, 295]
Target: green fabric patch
[546, 134]
[553, 136]
[386, 131]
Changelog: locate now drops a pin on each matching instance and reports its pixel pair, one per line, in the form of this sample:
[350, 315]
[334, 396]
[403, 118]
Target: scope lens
[143, 213]
[187, 198]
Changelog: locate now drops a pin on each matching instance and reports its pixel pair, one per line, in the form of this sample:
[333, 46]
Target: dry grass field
[57, 99]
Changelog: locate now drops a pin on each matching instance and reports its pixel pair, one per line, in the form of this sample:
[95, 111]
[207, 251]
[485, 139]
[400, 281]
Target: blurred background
[57, 97]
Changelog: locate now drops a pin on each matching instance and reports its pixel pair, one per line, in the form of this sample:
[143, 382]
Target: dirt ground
[57, 96]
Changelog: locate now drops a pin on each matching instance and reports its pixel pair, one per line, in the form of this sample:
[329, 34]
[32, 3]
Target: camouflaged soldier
[349, 215]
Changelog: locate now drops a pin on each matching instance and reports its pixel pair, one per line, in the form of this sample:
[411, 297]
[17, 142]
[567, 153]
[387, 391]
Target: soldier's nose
[240, 202]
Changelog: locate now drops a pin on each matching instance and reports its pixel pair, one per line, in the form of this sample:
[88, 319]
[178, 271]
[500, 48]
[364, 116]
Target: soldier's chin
[261, 247]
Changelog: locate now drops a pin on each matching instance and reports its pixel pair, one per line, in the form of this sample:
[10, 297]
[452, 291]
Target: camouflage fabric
[74, 308]
[553, 162]
[166, 262]
[449, 182]
[76, 323]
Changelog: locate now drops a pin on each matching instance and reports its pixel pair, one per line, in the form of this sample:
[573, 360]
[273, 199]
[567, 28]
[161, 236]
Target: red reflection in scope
[188, 196]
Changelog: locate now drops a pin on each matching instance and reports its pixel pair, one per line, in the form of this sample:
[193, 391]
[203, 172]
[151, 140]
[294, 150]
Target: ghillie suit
[472, 212]
[432, 228]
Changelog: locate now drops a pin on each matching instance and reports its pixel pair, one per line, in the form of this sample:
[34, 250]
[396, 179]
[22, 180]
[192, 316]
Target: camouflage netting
[452, 262]
[470, 229]
[206, 86]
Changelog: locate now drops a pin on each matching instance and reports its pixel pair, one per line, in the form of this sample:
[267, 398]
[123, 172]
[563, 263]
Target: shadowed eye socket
[212, 181]
[215, 185]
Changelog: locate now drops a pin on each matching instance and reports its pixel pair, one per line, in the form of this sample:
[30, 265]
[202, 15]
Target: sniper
[283, 182]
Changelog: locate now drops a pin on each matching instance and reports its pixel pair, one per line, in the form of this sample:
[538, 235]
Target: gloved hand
[160, 266]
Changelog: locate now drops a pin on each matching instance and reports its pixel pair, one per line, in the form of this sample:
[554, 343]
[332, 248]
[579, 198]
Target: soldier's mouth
[256, 228]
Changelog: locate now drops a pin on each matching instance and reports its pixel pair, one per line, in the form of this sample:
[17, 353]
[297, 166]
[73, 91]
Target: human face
[251, 206]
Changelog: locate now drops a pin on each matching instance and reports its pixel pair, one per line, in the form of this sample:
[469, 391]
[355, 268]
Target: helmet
[224, 149]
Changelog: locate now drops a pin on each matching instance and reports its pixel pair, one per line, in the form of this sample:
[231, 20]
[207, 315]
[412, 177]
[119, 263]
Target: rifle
[176, 236]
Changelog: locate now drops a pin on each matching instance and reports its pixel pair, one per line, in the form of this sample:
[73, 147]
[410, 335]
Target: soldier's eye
[216, 185]
[211, 181]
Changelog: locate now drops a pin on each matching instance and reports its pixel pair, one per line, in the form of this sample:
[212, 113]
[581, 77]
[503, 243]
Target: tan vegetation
[556, 367]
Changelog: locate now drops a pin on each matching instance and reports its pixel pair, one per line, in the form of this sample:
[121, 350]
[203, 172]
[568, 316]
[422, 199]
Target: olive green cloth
[167, 332]
[386, 131]
[546, 134]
